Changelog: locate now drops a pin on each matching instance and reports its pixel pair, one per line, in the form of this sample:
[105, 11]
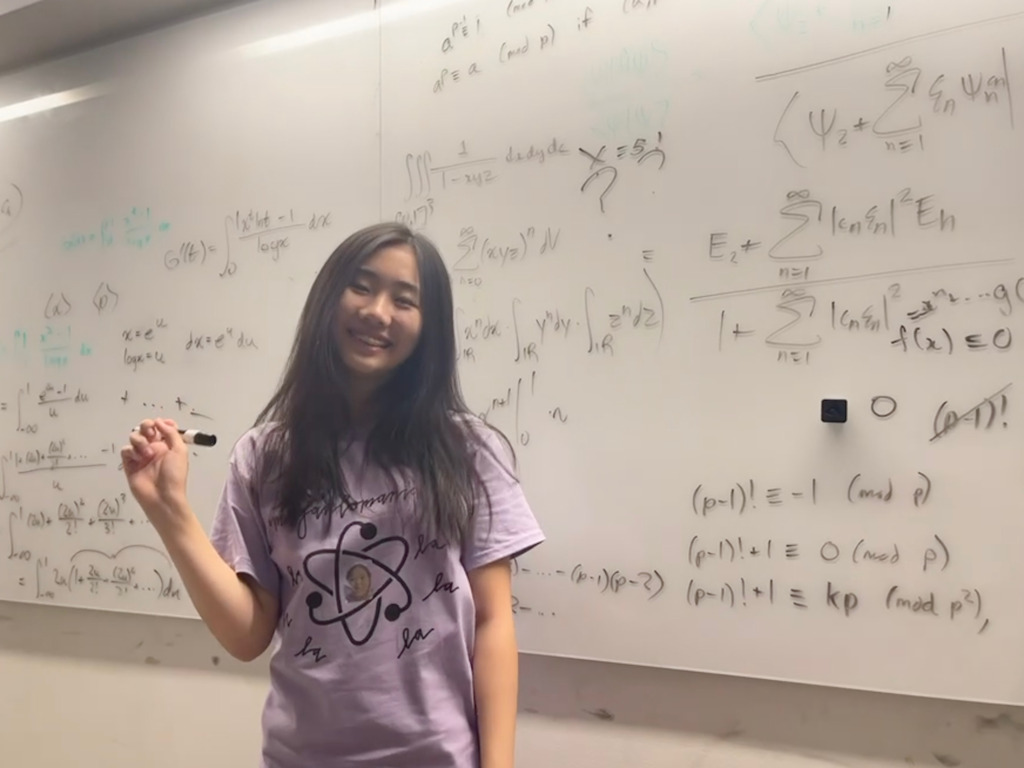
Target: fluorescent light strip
[52, 101]
[331, 30]
[9, 6]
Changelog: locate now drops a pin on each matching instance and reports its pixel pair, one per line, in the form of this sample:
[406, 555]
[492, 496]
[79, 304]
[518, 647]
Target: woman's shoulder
[488, 445]
[477, 431]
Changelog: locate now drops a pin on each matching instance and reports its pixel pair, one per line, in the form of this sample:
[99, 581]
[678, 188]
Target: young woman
[367, 522]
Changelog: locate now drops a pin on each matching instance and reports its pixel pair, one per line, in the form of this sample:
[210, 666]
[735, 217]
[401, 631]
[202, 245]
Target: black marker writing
[409, 638]
[307, 650]
[441, 585]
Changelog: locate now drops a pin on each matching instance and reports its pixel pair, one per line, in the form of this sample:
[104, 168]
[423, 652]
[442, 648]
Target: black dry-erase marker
[194, 437]
[197, 437]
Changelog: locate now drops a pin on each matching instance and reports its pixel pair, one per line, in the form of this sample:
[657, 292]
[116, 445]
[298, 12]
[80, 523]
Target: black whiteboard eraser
[833, 411]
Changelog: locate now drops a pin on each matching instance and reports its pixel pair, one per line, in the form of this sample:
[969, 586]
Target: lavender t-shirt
[373, 659]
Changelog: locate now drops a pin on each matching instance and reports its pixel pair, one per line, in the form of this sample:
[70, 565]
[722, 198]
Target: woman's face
[359, 580]
[378, 319]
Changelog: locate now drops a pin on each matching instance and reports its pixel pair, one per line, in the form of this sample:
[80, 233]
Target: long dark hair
[422, 423]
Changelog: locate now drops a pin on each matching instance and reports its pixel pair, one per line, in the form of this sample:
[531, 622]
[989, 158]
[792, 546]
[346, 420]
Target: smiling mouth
[370, 341]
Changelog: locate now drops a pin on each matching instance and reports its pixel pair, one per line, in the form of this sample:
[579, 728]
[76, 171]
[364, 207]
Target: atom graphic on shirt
[359, 575]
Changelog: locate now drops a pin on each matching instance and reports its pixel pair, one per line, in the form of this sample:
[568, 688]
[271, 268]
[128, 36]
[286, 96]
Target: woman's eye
[359, 288]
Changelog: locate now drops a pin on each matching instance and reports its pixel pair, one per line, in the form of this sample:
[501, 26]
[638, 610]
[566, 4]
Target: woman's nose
[377, 308]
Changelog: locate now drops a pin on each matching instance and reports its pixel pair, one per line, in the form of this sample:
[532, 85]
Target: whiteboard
[163, 230]
[674, 230]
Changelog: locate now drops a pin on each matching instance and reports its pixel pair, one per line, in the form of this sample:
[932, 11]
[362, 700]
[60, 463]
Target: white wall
[90, 689]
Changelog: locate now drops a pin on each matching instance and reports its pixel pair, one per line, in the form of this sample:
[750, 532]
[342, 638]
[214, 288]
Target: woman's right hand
[156, 464]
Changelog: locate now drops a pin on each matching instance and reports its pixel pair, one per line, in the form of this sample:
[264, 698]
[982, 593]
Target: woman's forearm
[239, 613]
[496, 686]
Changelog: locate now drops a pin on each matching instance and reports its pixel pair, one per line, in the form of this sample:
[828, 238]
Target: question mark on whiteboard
[611, 183]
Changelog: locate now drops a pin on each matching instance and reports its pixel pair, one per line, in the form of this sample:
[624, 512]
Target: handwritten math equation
[745, 496]
[964, 606]
[467, 49]
[918, 99]
[429, 181]
[607, 581]
[797, 320]
[121, 573]
[809, 222]
[702, 552]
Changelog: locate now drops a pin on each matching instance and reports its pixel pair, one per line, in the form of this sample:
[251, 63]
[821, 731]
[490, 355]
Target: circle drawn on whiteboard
[883, 406]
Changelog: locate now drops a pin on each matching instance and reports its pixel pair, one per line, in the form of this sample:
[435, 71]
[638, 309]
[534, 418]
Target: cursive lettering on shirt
[307, 650]
[441, 585]
[423, 545]
[411, 638]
